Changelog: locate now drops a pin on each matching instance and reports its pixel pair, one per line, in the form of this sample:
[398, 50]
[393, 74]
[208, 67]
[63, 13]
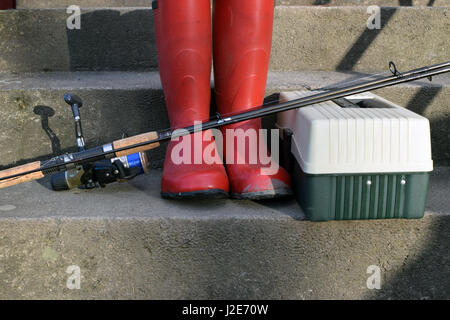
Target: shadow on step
[438, 126]
[110, 40]
[364, 41]
[367, 38]
[424, 276]
[45, 113]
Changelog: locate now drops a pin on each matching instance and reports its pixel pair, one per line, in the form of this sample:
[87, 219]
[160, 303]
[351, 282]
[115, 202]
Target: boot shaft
[242, 45]
[183, 36]
[7, 4]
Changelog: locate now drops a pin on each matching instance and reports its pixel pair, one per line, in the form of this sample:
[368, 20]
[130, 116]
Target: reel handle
[135, 140]
[73, 100]
[76, 103]
[17, 170]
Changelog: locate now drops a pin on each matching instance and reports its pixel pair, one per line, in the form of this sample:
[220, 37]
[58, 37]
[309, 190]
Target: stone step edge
[116, 80]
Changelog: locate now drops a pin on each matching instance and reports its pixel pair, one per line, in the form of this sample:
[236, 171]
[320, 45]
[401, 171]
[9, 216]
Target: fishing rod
[392, 70]
[117, 152]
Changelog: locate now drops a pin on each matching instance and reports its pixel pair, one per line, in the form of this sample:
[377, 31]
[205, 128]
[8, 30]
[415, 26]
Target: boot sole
[202, 194]
[263, 195]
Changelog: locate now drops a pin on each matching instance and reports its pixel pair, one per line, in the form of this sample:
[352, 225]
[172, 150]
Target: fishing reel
[100, 173]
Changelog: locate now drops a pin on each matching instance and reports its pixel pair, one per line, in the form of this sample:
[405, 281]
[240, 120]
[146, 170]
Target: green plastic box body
[361, 196]
[362, 157]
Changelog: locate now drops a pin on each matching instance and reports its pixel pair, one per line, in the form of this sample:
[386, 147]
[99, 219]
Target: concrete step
[130, 103]
[45, 4]
[305, 39]
[31, 4]
[131, 244]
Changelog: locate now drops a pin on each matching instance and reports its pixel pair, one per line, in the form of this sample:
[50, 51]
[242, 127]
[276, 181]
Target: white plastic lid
[329, 139]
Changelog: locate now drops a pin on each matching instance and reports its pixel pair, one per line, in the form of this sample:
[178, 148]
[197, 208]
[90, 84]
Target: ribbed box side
[360, 196]
[370, 197]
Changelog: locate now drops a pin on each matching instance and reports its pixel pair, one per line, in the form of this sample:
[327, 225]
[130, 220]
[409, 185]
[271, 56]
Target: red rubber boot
[7, 4]
[183, 36]
[242, 44]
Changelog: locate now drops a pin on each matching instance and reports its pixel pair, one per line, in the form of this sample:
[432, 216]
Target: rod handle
[21, 179]
[135, 140]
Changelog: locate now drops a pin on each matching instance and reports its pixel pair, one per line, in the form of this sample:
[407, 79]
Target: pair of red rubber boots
[242, 36]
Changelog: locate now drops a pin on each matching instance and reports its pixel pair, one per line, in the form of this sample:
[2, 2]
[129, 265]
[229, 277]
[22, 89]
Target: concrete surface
[30, 4]
[118, 103]
[130, 244]
[305, 38]
[337, 38]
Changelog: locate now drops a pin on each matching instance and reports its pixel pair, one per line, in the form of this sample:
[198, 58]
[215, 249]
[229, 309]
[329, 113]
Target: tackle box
[362, 157]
